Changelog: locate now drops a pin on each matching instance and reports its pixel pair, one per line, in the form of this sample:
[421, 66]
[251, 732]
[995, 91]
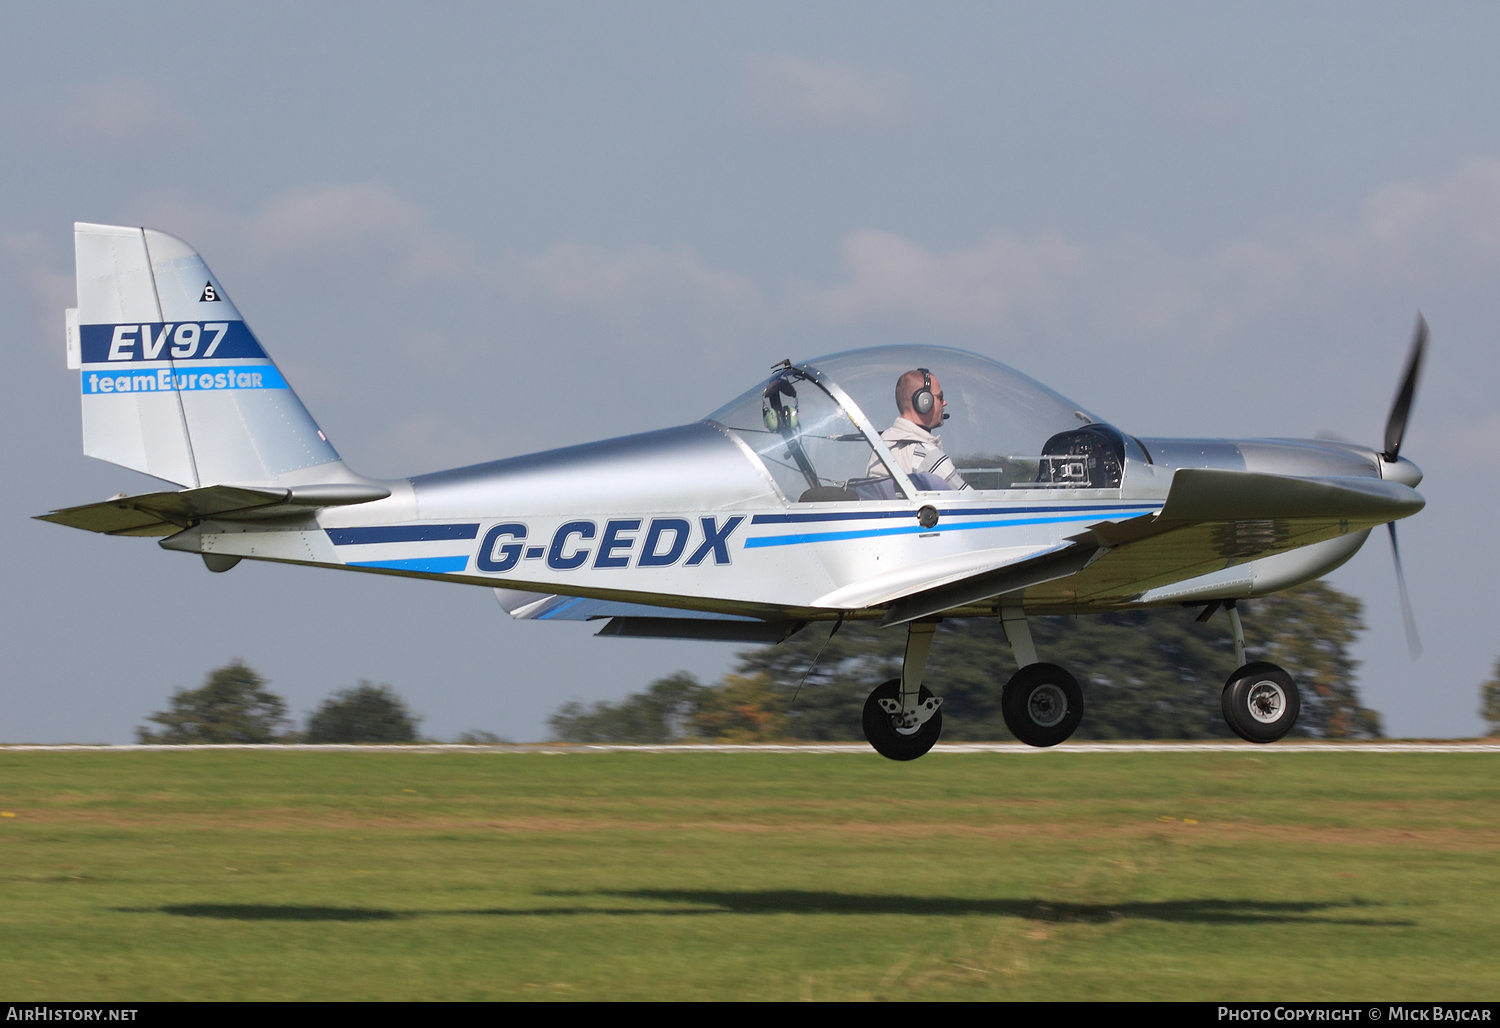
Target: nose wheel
[901, 717]
[901, 736]
[1261, 702]
[1042, 704]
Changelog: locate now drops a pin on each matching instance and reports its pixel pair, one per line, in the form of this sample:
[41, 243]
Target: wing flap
[700, 628]
[555, 607]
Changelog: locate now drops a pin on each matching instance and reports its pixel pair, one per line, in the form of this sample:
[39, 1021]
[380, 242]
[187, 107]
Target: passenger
[920, 404]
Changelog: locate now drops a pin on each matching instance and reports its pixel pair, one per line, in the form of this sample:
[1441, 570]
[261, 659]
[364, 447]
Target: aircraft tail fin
[174, 383]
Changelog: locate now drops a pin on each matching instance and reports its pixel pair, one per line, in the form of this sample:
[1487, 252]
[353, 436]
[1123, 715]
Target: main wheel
[899, 743]
[1261, 702]
[1253, 667]
[1042, 704]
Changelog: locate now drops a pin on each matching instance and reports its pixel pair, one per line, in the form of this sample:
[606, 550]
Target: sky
[470, 231]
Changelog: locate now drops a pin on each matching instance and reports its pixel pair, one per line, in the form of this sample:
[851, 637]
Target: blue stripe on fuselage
[756, 542]
[865, 515]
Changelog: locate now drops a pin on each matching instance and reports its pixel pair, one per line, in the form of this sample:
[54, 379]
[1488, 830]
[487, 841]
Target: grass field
[309, 875]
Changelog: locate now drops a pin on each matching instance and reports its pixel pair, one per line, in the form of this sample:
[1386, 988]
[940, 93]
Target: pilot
[919, 403]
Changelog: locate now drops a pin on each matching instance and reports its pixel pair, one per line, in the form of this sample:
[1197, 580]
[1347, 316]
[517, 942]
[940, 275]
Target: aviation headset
[779, 416]
[922, 401]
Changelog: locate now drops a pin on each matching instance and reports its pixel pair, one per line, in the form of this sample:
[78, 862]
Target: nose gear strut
[902, 719]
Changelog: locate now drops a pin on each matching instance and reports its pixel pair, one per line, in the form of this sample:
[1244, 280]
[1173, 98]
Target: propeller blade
[1395, 426]
[1413, 641]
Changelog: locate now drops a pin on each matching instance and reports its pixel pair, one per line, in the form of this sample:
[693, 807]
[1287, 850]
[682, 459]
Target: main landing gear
[1260, 701]
[1042, 704]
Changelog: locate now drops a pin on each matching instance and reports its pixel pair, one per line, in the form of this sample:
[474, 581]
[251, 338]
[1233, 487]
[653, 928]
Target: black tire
[1042, 704]
[1261, 702]
[888, 740]
[1254, 667]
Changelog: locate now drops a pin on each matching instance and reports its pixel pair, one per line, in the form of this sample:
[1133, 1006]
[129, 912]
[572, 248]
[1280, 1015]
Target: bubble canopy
[1005, 430]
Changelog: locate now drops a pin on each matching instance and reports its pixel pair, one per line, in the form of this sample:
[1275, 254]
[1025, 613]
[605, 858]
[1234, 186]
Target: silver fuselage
[686, 519]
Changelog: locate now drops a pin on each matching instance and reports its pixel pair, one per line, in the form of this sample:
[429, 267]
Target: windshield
[1003, 431]
[807, 441]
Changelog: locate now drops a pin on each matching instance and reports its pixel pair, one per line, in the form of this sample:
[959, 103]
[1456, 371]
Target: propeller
[1413, 641]
[1395, 425]
[1395, 429]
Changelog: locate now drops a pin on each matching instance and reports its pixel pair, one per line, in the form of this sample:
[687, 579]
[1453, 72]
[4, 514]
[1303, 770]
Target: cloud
[794, 92]
[896, 280]
[357, 269]
[367, 226]
[37, 261]
[361, 296]
[354, 227]
[1410, 239]
[413, 444]
[118, 111]
[1413, 239]
[587, 276]
[353, 218]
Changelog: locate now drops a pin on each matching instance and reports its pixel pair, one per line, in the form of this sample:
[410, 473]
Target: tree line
[1489, 700]
[234, 706]
[1146, 674]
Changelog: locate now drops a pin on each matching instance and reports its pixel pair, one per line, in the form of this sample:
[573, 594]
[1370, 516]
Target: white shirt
[918, 450]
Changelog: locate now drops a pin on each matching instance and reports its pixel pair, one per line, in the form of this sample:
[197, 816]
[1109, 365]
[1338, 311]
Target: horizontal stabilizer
[168, 513]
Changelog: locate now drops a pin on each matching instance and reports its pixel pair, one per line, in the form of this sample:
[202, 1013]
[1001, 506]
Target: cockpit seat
[1090, 457]
[883, 488]
[827, 494]
[927, 482]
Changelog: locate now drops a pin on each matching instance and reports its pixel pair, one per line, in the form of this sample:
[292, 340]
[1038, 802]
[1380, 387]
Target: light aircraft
[783, 507]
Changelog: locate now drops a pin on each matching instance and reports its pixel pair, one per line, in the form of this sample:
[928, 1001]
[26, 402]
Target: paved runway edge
[1460, 746]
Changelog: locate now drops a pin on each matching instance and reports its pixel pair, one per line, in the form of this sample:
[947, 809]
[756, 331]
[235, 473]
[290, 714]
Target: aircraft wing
[168, 513]
[1212, 519]
[931, 576]
[525, 606]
